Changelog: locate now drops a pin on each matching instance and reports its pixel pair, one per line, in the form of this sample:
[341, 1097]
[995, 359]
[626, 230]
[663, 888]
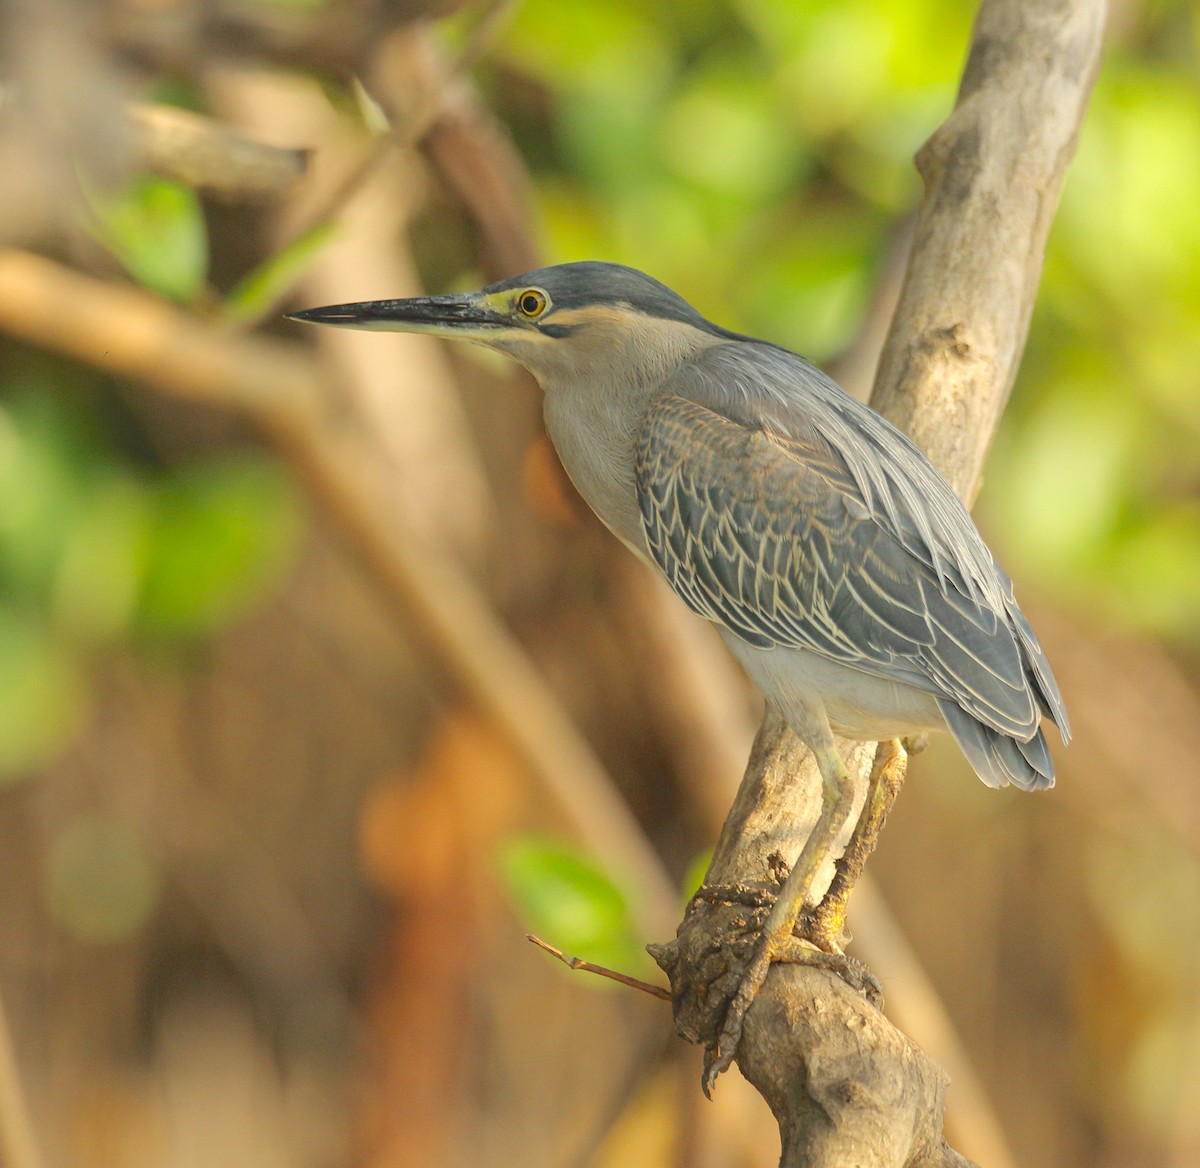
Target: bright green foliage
[571, 903]
[1092, 485]
[220, 535]
[96, 549]
[694, 876]
[102, 561]
[753, 155]
[156, 229]
[73, 523]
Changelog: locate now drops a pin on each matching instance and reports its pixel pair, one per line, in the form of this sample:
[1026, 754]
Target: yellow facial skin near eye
[532, 303]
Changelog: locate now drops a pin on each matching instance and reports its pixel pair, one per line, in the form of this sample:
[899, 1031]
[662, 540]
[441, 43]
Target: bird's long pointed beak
[467, 316]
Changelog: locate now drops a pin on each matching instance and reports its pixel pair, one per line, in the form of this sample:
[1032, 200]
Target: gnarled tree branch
[845, 1086]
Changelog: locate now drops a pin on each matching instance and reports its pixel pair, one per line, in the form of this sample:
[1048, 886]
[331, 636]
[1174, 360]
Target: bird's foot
[751, 895]
[719, 1056]
[787, 950]
[824, 925]
[853, 972]
[775, 941]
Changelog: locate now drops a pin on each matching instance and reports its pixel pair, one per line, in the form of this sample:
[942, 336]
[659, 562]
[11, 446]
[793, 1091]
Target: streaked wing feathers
[771, 537]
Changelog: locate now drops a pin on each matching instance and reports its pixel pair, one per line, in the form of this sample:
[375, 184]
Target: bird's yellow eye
[532, 303]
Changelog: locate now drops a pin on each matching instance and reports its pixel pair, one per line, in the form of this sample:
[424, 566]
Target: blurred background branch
[203, 154]
[266, 878]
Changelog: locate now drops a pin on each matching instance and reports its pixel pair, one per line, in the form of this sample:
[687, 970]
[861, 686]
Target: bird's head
[586, 319]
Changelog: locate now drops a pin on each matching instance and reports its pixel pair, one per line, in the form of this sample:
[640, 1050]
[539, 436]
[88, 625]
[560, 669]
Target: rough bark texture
[845, 1086]
[992, 175]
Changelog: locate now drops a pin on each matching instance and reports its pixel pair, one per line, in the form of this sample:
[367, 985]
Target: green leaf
[266, 284]
[98, 576]
[156, 229]
[600, 45]
[39, 494]
[374, 116]
[1153, 570]
[694, 876]
[72, 519]
[570, 902]
[723, 133]
[220, 540]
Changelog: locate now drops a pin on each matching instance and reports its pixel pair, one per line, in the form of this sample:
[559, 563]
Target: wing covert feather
[771, 537]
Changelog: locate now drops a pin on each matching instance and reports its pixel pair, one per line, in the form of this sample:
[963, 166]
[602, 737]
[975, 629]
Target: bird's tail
[997, 758]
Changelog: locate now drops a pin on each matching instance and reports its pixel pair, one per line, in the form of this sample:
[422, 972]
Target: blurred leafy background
[265, 872]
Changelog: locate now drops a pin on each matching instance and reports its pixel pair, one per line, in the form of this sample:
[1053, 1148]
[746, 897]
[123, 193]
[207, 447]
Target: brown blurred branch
[329, 40]
[468, 145]
[1147, 691]
[423, 95]
[430, 102]
[133, 334]
[212, 157]
[845, 1085]
[18, 1145]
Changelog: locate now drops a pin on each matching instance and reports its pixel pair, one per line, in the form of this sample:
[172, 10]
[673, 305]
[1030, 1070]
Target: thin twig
[601, 970]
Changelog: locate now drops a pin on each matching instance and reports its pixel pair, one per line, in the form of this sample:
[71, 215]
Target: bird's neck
[595, 431]
[595, 406]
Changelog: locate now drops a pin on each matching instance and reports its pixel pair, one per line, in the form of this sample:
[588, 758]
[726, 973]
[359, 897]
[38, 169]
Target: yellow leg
[776, 935]
[825, 925]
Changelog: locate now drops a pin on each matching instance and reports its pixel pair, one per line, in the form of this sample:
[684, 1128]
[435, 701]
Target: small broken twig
[589, 967]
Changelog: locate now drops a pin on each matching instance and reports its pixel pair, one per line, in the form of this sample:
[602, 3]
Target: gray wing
[772, 537]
